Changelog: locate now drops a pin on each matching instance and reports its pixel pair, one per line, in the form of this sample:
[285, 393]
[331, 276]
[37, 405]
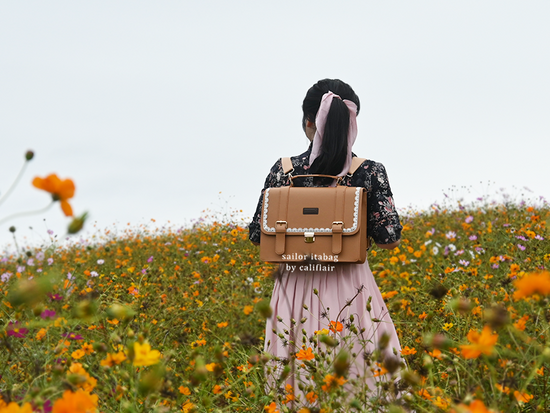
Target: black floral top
[383, 221]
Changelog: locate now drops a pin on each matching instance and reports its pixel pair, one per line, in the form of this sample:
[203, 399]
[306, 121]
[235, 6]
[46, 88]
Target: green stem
[25, 213]
[14, 184]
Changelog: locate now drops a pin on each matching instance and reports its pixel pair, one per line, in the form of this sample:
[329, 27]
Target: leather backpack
[314, 225]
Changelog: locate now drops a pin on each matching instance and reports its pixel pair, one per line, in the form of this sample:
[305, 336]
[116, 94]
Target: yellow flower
[481, 343]
[61, 190]
[536, 283]
[77, 402]
[211, 367]
[78, 354]
[223, 324]
[248, 309]
[144, 356]
[14, 408]
[321, 332]
[448, 326]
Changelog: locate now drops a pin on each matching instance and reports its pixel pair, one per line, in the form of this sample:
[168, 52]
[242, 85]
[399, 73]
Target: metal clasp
[309, 237]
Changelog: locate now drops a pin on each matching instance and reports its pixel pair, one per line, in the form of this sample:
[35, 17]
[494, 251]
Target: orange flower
[477, 406]
[522, 397]
[311, 397]
[305, 354]
[77, 402]
[61, 190]
[536, 283]
[332, 382]
[520, 324]
[14, 408]
[272, 408]
[436, 354]
[481, 343]
[113, 359]
[185, 390]
[335, 326]
[406, 351]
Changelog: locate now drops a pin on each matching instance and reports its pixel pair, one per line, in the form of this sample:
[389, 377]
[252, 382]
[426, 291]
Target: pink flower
[14, 330]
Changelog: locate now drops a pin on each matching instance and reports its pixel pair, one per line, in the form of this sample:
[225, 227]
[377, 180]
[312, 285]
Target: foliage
[173, 320]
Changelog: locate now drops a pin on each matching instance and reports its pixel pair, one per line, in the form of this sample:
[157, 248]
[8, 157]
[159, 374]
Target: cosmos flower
[14, 330]
[76, 402]
[61, 190]
[536, 283]
[305, 354]
[481, 343]
[144, 356]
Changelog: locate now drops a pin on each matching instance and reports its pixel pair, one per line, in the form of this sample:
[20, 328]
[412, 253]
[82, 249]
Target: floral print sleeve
[275, 178]
[383, 220]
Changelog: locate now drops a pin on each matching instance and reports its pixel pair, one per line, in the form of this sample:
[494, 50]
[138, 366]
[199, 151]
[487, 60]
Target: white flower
[450, 235]
[452, 247]
[100, 262]
[435, 250]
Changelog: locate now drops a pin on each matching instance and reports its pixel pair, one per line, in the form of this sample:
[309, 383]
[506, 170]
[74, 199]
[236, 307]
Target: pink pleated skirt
[311, 299]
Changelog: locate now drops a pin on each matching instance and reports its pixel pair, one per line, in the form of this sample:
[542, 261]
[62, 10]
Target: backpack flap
[314, 223]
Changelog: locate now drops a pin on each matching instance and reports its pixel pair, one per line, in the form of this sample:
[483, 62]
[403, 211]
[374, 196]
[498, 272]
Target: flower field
[173, 321]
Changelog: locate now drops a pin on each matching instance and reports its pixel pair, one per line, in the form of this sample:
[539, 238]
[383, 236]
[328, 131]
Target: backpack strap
[355, 164]
[287, 165]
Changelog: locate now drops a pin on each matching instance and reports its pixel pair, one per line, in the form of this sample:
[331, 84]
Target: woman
[333, 302]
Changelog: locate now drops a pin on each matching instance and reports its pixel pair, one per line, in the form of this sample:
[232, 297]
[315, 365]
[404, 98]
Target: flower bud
[341, 363]
[29, 155]
[77, 223]
[100, 347]
[264, 309]
[384, 341]
[12, 229]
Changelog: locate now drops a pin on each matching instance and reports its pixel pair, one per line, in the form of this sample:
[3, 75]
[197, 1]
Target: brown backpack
[314, 225]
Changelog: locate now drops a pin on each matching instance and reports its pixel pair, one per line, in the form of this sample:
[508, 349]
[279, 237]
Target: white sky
[155, 107]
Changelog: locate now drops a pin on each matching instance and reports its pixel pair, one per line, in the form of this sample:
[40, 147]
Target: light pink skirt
[343, 291]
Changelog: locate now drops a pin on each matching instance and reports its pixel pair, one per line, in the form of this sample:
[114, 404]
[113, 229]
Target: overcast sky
[155, 107]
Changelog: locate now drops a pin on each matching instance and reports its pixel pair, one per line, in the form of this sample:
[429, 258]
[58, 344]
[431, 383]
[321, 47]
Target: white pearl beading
[350, 229]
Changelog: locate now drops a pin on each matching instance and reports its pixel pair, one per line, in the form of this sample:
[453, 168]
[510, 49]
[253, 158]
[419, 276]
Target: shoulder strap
[355, 164]
[287, 165]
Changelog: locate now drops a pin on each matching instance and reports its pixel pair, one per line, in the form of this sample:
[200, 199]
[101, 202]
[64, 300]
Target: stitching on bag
[350, 229]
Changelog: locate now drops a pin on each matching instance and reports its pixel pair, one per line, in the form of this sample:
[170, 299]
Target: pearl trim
[266, 228]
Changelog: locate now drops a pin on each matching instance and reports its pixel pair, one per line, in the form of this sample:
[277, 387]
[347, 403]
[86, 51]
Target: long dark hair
[335, 143]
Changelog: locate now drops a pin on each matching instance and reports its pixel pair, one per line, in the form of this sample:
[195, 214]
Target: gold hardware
[309, 237]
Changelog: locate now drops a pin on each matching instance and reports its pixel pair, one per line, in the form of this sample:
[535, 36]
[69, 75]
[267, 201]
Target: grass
[173, 320]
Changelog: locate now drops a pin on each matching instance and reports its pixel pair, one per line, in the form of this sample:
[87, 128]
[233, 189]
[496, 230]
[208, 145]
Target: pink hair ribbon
[321, 119]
